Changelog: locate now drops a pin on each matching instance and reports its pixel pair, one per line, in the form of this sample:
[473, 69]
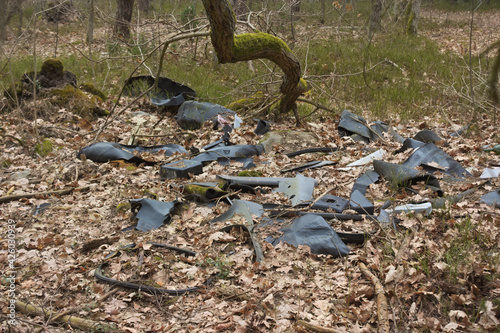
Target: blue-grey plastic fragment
[102, 152]
[430, 153]
[492, 198]
[166, 87]
[328, 201]
[313, 231]
[192, 114]
[181, 169]
[427, 136]
[299, 189]
[151, 214]
[357, 200]
[309, 165]
[174, 101]
[243, 208]
[356, 126]
[223, 153]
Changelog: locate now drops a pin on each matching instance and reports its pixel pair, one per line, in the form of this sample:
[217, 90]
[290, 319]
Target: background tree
[413, 16]
[375, 17]
[232, 48]
[8, 9]
[123, 18]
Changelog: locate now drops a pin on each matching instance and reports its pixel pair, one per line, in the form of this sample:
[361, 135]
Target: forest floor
[438, 273]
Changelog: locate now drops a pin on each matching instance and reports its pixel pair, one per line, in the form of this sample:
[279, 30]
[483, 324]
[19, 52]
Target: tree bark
[412, 17]
[145, 6]
[7, 11]
[232, 48]
[375, 17]
[123, 18]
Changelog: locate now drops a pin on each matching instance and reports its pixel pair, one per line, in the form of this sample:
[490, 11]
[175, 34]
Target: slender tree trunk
[123, 18]
[145, 5]
[413, 17]
[375, 17]
[244, 47]
[7, 10]
[90, 28]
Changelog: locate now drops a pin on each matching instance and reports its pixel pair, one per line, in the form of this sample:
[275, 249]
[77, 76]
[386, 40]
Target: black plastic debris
[299, 189]
[492, 198]
[410, 143]
[427, 136]
[429, 154]
[328, 201]
[242, 208]
[181, 169]
[263, 126]
[313, 231]
[174, 101]
[312, 150]
[151, 214]
[404, 176]
[192, 114]
[309, 165]
[103, 152]
[167, 89]
[38, 210]
[356, 127]
[224, 154]
[357, 200]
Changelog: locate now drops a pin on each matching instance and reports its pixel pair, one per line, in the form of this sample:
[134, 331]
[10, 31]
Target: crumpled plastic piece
[224, 154]
[427, 136]
[358, 201]
[367, 159]
[328, 201]
[403, 176]
[299, 189]
[428, 154]
[102, 152]
[167, 89]
[151, 214]
[313, 231]
[243, 208]
[356, 126]
[263, 126]
[492, 198]
[192, 114]
[490, 173]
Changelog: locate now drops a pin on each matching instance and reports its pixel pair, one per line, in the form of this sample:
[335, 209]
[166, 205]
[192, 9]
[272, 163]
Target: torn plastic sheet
[490, 173]
[174, 101]
[263, 126]
[358, 201]
[492, 198]
[166, 87]
[227, 153]
[313, 231]
[181, 169]
[151, 214]
[404, 176]
[356, 126]
[428, 154]
[367, 159]
[299, 189]
[245, 209]
[242, 208]
[328, 201]
[427, 136]
[192, 114]
[38, 210]
[102, 152]
[310, 165]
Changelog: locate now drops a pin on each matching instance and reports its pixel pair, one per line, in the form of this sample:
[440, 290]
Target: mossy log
[232, 48]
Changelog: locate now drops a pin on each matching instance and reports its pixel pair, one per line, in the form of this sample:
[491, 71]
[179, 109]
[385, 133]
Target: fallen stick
[9, 198]
[76, 322]
[382, 311]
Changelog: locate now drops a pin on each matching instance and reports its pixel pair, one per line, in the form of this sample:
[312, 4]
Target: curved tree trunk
[232, 48]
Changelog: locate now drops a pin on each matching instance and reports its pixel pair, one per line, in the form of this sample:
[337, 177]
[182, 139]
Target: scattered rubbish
[263, 126]
[310, 165]
[313, 231]
[40, 208]
[103, 152]
[427, 136]
[424, 208]
[495, 149]
[358, 201]
[99, 274]
[225, 154]
[429, 154]
[490, 173]
[181, 169]
[192, 114]
[438, 203]
[461, 131]
[151, 214]
[492, 198]
[204, 192]
[367, 159]
[328, 201]
[242, 208]
[404, 176]
[299, 189]
[357, 128]
[167, 89]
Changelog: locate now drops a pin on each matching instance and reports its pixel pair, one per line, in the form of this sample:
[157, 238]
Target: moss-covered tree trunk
[375, 17]
[413, 16]
[232, 48]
